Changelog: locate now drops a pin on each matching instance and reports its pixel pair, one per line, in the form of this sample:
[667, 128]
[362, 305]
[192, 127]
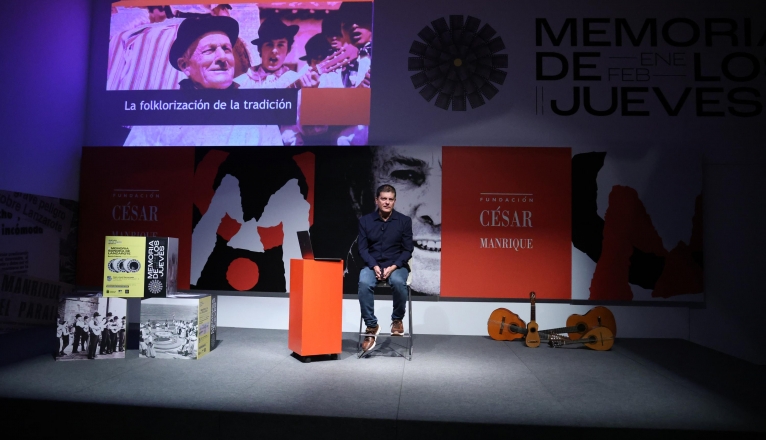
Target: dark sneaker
[369, 341]
[397, 328]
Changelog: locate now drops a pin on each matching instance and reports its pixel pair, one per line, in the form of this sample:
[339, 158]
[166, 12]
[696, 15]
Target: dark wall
[44, 78]
[734, 256]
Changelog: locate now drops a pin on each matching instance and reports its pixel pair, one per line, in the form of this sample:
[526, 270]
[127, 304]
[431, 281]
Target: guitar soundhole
[532, 330]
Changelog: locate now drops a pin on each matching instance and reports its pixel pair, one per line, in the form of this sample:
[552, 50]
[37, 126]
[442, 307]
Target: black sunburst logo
[458, 61]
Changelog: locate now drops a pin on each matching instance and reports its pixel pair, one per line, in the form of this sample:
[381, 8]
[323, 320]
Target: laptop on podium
[307, 250]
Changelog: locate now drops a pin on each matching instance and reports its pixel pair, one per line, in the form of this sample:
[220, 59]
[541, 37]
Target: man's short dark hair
[385, 189]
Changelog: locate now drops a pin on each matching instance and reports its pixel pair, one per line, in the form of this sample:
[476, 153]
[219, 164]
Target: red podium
[316, 307]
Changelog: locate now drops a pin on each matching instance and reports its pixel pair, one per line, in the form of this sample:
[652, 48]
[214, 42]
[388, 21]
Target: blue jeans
[367, 281]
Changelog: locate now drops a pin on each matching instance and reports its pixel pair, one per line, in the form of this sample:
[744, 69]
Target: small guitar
[533, 337]
[340, 58]
[504, 325]
[599, 338]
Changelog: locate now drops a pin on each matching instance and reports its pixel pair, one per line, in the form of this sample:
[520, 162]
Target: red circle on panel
[242, 274]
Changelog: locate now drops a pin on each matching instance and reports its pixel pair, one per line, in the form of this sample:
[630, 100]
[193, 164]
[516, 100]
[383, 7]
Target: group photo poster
[176, 328]
[91, 328]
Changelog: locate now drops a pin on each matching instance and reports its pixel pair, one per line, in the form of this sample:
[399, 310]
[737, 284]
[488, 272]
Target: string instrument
[595, 317]
[533, 337]
[504, 325]
[599, 338]
[577, 325]
[502, 328]
[337, 60]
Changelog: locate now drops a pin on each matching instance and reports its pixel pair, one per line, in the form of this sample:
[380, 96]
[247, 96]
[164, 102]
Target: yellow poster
[203, 321]
[124, 266]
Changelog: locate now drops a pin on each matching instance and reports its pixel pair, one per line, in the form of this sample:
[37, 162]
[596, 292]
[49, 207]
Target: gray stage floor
[251, 382]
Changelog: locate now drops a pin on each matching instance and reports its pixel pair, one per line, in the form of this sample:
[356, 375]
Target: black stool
[384, 286]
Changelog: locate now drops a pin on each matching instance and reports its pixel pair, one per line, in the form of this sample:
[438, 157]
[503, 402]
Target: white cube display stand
[80, 339]
[181, 327]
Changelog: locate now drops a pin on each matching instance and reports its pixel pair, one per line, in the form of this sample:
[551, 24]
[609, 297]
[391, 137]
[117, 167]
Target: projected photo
[241, 73]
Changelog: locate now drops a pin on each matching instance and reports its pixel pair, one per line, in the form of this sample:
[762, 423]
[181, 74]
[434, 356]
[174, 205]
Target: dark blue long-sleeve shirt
[383, 243]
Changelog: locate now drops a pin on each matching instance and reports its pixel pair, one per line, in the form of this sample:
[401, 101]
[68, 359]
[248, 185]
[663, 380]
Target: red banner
[132, 192]
[507, 222]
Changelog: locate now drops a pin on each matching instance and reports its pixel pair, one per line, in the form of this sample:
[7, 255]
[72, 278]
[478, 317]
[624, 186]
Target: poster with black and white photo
[89, 328]
[175, 328]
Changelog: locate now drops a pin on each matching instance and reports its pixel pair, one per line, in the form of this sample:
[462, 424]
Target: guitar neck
[517, 329]
[546, 334]
[579, 341]
[532, 303]
[572, 329]
[588, 340]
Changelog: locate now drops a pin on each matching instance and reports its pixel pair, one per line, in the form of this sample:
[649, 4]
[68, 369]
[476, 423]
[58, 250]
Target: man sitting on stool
[385, 245]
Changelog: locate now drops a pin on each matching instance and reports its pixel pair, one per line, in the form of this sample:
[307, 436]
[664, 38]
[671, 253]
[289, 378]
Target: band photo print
[91, 328]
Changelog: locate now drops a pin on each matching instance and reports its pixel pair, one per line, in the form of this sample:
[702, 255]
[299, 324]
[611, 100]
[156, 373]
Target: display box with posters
[136, 267]
[91, 327]
[182, 327]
